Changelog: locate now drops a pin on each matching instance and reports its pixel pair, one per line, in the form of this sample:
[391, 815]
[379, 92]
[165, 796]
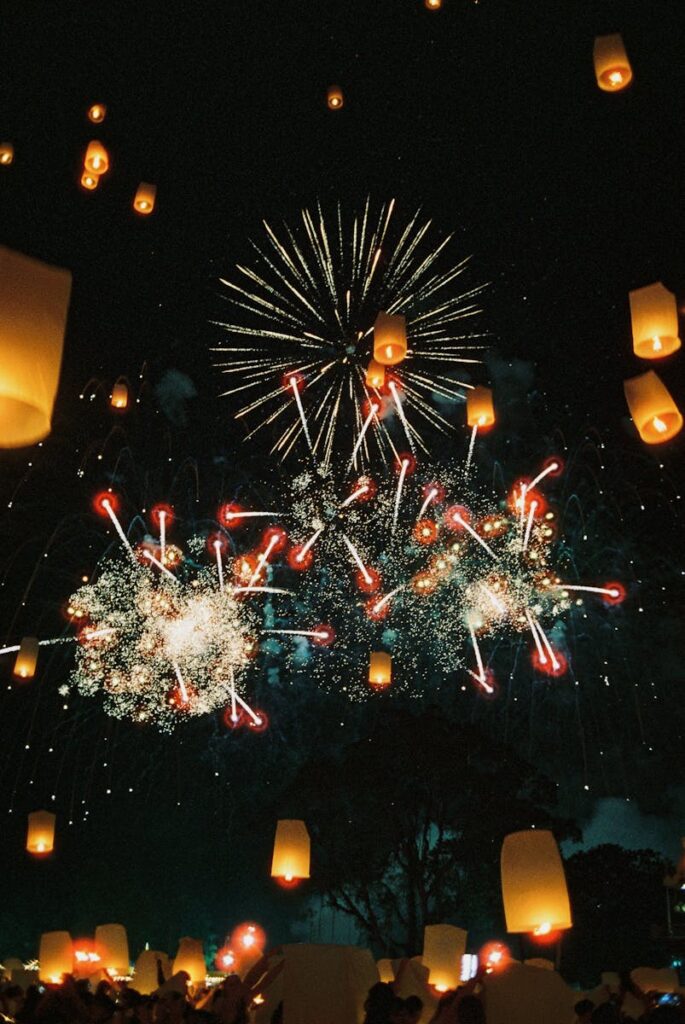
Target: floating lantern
[6, 153]
[652, 408]
[112, 942]
[533, 883]
[334, 97]
[375, 375]
[144, 199]
[480, 412]
[97, 112]
[612, 67]
[389, 338]
[146, 971]
[443, 947]
[380, 670]
[55, 956]
[291, 858]
[119, 399]
[34, 298]
[191, 959]
[27, 658]
[385, 971]
[654, 317]
[432, 5]
[89, 181]
[40, 836]
[96, 159]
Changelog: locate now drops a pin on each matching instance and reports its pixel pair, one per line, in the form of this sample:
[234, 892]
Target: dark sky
[485, 114]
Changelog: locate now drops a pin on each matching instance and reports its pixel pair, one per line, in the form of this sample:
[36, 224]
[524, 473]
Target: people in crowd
[583, 1011]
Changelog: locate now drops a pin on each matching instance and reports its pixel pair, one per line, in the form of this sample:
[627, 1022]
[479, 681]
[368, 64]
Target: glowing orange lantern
[40, 837]
[612, 67]
[375, 375]
[191, 959]
[652, 408]
[55, 956]
[27, 658]
[96, 159]
[89, 181]
[34, 298]
[144, 199]
[389, 338]
[6, 153]
[433, 5]
[119, 399]
[654, 317]
[480, 412]
[533, 883]
[145, 973]
[291, 857]
[97, 112]
[443, 947]
[112, 943]
[334, 97]
[380, 670]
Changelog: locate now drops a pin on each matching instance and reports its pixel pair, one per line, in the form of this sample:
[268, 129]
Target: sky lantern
[191, 959]
[432, 5]
[55, 956]
[389, 338]
[40, 836]
[380, 670]
[480, 411]
[89, 181]
[334, 97]
[652, 408]
[385, 971]
[96, 159]
[119, 399]
[112, 942]
[6, 153]
[654, 318]
[291, 857]
[145, 972]
[27, 658]
[375, 375]
[97, 113]
[34, 299]
[144, 199]
[612, 67]
[533, 883]
[443, 947]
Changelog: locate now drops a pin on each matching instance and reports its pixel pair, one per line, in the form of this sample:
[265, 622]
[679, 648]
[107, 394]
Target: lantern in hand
[533, 883]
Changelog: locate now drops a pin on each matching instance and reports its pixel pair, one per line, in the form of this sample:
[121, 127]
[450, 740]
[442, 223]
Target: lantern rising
[612, 67]
[191, 959]
[480, 411]
[380, 670]
[385, 971]
[432, 5]
[27, 658]
[389, 339]
[375, 375]
[119, 399]
[334, 97]
[40, 837]
[89, 181]
[291, 857]
[6, 153]
[654, 318]
[55, 956]
[96, 159]
[652, 408]
[97, 113]
[144, 199]
[533, 883]
[34, 298]
[112, 942]
[443, 947]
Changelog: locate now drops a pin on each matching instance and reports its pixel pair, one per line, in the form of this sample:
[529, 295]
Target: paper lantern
[97, 113]
[380, 670]
[533, 883]
[119, 399]
[40, 836]
[612, 67]
[443, 947]
[112, 944]
[27, 658]
[55, 956]
[654, 318]
[96, 159]
[34, 298]
[6, 153]
[144, 199]
[385, 971]
[433, 5]
[89, 181]
[652, 408]
[389, 338]
[191, 959]
[145, 972]
[480, 412]
[291, 857]
[334, 97]
[375, 375]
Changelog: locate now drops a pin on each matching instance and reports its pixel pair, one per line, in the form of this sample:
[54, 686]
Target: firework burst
[300, 338]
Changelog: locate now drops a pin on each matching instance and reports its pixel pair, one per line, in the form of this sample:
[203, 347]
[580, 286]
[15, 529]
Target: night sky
[487, 115]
